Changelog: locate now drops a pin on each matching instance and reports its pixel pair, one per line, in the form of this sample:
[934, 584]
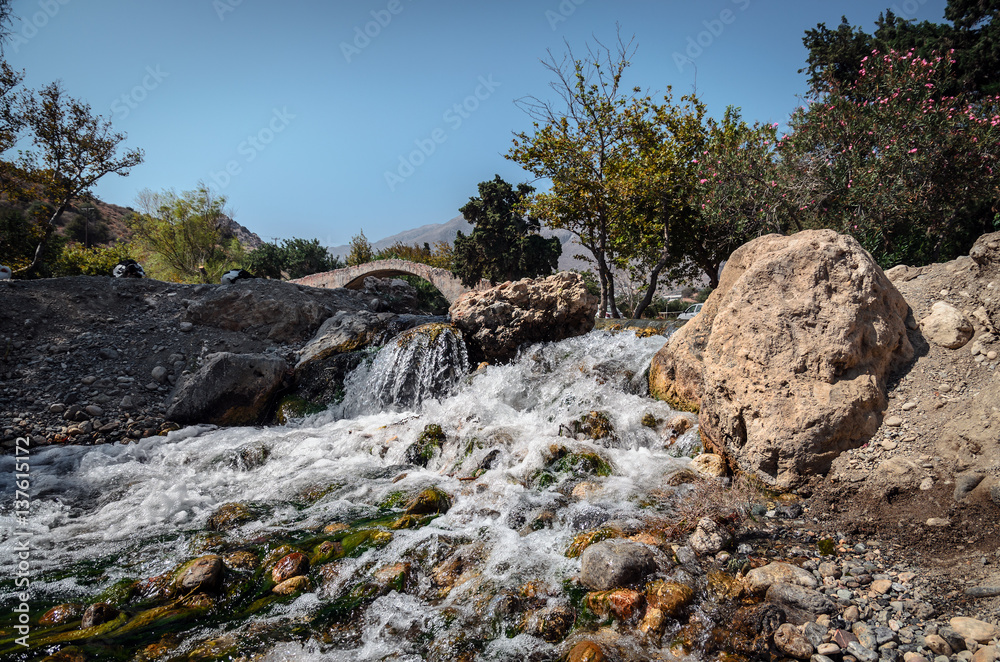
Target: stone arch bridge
[354, 277]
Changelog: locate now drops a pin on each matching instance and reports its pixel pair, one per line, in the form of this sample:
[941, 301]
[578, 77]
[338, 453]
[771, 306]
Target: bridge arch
[354, 277]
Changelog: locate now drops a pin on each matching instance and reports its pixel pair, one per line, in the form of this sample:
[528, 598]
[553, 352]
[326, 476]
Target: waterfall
[420, 363]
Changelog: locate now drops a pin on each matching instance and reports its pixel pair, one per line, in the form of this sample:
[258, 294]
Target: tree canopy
[505, 243]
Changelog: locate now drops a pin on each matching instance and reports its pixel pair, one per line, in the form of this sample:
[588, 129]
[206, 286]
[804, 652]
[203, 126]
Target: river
[517, 461]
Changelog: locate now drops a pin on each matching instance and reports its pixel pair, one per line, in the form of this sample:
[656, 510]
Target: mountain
[435, 232]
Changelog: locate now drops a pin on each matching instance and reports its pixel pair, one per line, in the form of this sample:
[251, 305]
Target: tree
[293, 257]
[361, 250]
[505, 243]
[74, 150]
[577, 145]
[181, 234]
[912, 172]
[974, 36]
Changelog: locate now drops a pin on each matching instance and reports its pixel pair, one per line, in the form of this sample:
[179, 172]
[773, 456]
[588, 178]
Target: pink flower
[912, 151]
[702, 181]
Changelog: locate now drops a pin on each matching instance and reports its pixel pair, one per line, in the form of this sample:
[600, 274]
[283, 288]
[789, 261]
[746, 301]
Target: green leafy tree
[577, 144]
[182, 237]
[73, 149]
[293, 258]
[505, 243]
[912, 172]
[361, 250]
[306, 256]
[973, 35]
[738, 192]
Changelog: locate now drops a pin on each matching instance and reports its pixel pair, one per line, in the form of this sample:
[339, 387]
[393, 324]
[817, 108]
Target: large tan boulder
[788, 359]
[497, 321]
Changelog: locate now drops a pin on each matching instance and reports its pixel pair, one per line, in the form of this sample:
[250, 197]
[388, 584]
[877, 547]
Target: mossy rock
[324, 552]
[582, 462]
[584, 540]
[120, 593]
[430, 441]
[430, 501]
[827, 547]
[295, 406]
[229, 516]
[594, 425]
[649, 421]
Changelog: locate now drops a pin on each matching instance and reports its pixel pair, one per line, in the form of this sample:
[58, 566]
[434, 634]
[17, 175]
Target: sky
[323, 118]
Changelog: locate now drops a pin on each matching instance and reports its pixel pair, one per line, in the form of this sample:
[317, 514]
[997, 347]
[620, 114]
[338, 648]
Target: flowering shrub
[911, 172]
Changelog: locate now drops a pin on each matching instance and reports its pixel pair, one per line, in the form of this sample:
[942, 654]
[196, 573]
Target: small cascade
[418, 364]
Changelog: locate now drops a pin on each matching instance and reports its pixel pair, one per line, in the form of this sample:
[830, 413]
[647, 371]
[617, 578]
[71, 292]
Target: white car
[690, 312]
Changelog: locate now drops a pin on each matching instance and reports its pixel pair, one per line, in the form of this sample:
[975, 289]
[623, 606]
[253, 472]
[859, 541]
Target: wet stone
[98, 614]
[204, 574]
[292, 565]
[615, 564]
[61, 614]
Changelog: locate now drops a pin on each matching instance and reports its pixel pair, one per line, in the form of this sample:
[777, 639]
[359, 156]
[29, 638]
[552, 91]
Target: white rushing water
[138, 510]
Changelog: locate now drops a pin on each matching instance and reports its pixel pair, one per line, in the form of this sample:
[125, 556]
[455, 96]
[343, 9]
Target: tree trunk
[49, 228]
[654, 277]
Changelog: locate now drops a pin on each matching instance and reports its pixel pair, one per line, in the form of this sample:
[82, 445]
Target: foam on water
[142, 504]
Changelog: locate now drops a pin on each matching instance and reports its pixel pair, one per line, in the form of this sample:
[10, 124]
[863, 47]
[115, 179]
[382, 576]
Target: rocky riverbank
[899, 531]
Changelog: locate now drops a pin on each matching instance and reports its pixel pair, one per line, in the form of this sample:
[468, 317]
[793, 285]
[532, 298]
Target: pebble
[991, 355]
[186, 327]
[159, 373]
[57, 409]
[88, 380]
[938, 521]
[909, 406]
[893, 422]
[971, 628]
[94, 410]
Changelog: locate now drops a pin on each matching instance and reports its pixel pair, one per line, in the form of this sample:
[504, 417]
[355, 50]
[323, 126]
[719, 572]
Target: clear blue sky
[309, 116]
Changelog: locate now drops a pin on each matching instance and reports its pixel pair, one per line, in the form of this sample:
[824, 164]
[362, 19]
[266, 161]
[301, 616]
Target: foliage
[182, 237]
[361, 250]
[613, 176]
[505, 244]
[293, 258]
[73, 149]
[438, 256]
[973, 36]
[737, 192]
[20, 233]
[78, 260]
[908, 170]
